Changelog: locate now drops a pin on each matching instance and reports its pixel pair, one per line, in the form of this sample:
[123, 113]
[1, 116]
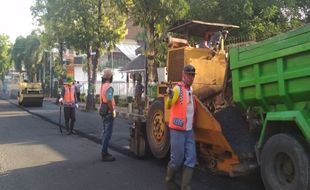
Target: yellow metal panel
[208, 130]
[210, 69]
[227, 165]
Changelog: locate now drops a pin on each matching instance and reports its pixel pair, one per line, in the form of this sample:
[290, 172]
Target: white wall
[119, 81]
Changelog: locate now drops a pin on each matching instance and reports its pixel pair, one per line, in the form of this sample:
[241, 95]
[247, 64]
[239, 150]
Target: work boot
[171, 172]
[71, 128]
[186, 178]
[106, 157]
[67, 129]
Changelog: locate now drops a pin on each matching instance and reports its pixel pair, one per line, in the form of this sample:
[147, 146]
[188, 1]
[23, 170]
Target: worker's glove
[77, 106]
[60, 100]
[170, 92]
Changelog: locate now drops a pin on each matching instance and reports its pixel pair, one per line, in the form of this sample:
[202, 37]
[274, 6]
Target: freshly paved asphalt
[34, 156]
[89, 125]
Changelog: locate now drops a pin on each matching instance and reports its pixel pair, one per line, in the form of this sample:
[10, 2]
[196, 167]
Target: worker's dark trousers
[139, 104]
[69, 113]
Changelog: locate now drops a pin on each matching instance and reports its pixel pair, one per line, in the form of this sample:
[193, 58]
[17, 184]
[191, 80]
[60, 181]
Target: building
[123, 53]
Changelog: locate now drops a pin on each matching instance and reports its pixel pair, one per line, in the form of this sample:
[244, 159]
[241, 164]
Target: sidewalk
[122, 112]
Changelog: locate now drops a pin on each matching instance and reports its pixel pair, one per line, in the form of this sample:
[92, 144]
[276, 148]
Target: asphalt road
[33, 155]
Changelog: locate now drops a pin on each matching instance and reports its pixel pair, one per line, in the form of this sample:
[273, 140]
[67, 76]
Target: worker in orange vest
[183, 149]
[69, 100]
[107, 99]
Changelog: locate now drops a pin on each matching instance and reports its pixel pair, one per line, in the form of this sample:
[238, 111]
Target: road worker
[107, 100]
[68, 99]
[183, 149]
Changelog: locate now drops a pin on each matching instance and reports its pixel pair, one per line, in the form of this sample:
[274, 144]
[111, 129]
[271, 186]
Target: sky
[15, 18]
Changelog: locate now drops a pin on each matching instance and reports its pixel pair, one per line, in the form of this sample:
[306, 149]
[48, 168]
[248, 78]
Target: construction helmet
[107, 74]
[69, 79]
[189, 69]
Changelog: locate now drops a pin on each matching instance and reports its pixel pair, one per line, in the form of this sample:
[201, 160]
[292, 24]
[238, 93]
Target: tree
[18, 53]
[97, 26]
[53, 16]
[258, 19]
[88, 26]
[153, 16]
[27, 54]
[5, 63]
[33, 56]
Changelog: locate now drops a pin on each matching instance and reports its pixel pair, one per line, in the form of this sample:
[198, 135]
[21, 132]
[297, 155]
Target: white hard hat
[107, 74]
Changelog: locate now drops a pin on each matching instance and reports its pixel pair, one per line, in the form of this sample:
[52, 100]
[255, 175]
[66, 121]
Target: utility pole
[146, 73]
[50, 64]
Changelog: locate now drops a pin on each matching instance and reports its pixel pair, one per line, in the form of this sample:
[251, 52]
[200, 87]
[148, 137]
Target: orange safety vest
[69, 95]
[103, 96]
[177, 118]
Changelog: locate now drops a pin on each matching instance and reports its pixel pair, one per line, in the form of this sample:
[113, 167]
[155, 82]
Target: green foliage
[154, 16]
[130, 99]
[18, 53]
[5, 63]
[161, 52]
[121, 101]
[33, 55]
[97, 99]
[59, 70]
[92, 27]
[83, 97]
[27, 54]
[152, 91]
[52, 15]
[87, 26]
[116, 98]
[257, 19]
[143, 11]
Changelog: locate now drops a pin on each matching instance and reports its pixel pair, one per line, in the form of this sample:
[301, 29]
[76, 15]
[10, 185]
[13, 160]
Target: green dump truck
[271, 80]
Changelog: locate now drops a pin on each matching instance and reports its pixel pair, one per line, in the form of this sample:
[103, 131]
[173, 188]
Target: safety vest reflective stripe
[103, 94]
[69, 94]
[177, 118]
[178, 111]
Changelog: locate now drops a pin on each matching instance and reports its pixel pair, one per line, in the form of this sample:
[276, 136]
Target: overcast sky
[15, 18]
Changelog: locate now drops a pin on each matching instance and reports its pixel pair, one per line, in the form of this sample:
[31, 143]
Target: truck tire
[157, 131]
[285, 163]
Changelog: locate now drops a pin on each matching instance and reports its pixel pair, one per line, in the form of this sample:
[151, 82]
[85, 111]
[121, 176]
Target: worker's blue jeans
[183, 149]
[107, 132]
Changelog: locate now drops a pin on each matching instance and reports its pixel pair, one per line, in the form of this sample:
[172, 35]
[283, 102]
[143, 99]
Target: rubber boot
[171, 172]
[71, 127]
[67, 128]
[186, 178]
[106, 157]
